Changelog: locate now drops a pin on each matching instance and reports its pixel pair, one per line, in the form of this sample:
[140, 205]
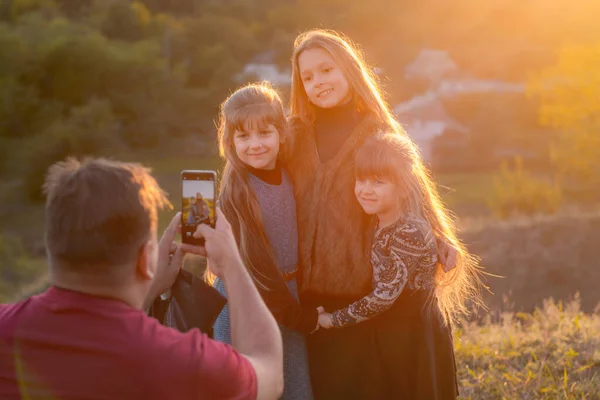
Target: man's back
[68, 345]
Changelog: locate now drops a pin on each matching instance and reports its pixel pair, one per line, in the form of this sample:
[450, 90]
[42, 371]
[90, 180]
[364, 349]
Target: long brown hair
[255, 104]
[391, 156]
[363, 83]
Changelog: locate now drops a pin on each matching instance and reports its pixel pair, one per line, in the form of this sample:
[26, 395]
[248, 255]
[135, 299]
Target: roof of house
[430, 64]
[426, 109]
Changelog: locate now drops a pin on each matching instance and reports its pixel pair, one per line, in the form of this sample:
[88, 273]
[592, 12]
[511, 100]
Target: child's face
[257, 146]
[376, 196]
[323, 80]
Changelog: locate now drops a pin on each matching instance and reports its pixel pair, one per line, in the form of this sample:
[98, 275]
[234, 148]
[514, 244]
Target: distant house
[425, 120]
[424, 116]
[431, 65]
[263, 68]
[453, 87]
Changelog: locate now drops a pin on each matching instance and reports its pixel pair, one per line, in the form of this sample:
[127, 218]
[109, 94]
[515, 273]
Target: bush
[127, 21]
[88, 130]
[16, 269]
[520, 192]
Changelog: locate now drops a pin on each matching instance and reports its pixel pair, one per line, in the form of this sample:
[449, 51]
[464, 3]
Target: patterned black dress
[412, 355]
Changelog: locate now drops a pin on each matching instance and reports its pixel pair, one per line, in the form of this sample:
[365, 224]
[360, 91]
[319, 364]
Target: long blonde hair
[392, 156]
[256, 104]
[363, 83]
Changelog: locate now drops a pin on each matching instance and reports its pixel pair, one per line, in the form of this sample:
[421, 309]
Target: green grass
[466, 193]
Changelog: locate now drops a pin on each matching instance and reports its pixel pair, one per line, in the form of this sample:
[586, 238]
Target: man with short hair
[88, 336]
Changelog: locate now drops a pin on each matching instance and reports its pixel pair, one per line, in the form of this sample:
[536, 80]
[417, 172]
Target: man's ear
[145, 267]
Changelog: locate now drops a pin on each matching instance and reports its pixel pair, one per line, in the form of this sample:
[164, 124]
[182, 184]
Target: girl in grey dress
[257, 197]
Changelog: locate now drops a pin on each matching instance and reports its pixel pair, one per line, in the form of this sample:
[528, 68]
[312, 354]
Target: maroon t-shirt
[68, 345]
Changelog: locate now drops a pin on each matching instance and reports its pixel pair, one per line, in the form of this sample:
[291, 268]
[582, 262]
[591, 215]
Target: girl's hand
[447, 255]
[325, 320]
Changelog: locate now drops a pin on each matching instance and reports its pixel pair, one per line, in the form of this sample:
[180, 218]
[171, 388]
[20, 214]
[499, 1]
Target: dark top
[270, 176]
[333, 126]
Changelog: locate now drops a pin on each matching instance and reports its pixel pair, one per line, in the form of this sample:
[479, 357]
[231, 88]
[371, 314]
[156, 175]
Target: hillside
[538, 258]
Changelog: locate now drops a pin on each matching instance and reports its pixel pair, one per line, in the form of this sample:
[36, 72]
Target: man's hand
[170, 260]
[219, 245]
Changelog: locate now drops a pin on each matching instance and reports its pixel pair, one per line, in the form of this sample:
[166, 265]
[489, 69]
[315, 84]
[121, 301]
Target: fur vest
[334, 233]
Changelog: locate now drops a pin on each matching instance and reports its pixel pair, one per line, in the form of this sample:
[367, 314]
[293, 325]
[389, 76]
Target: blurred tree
[212, 30]
[19, 8]
[15, 268]
[127, 21]
[74, 8]
[22, 112]
[207, 62]
[519, 192]
[90, 129]
[75, 69]
[568, 94]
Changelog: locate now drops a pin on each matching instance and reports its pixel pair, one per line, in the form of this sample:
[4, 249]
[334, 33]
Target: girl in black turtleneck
[335, 105]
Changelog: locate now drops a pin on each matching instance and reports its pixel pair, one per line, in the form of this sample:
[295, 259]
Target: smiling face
[323, 80]
[257, 145]
[377, 195]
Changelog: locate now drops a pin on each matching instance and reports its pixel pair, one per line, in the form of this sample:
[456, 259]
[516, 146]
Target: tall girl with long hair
[257, 198]
[336, 104]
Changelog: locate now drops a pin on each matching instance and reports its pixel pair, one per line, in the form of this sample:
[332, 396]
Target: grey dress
[279, 218]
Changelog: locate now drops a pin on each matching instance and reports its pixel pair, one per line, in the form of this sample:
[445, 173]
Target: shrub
[518, 191]
[88, 130]
[16, 269]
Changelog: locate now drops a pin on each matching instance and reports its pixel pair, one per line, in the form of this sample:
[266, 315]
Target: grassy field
[466, 194]
[552, 353]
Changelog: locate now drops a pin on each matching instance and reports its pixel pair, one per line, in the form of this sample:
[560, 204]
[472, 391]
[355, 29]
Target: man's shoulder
[9, 312]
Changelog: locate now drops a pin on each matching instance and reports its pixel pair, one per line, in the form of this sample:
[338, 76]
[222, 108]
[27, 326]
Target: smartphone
[198, 197]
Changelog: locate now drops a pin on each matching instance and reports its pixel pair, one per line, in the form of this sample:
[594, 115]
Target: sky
[206, 188]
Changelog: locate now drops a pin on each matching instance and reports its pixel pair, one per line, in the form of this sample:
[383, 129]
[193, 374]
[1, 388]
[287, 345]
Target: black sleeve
[286, 309]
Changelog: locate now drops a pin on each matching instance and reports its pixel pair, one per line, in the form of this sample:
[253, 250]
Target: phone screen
[198, 196]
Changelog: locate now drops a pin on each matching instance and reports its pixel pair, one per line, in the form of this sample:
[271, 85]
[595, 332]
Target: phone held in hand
[198, 197]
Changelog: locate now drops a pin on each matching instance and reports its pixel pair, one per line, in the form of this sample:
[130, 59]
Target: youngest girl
[257, 198]
[415, 356]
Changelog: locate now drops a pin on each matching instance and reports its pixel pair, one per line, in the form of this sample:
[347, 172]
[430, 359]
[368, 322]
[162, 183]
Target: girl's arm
[407, 248]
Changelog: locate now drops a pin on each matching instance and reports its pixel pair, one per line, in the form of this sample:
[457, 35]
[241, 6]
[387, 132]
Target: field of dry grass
[552, 353]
